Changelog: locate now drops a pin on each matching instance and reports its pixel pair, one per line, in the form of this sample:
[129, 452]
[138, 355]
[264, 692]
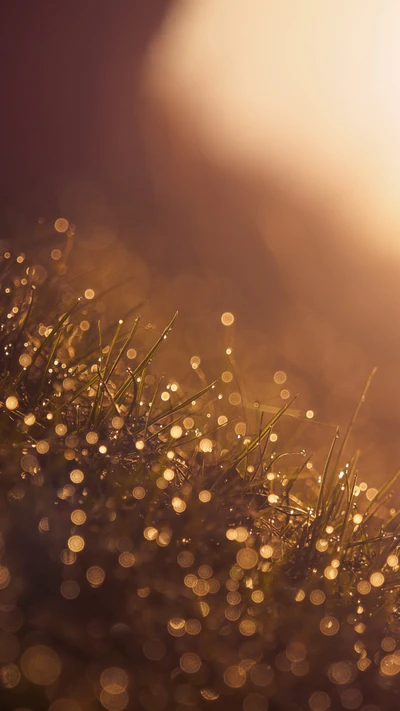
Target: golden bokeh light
[76, 544]
[247, 558]
[70, 589]
[41, 665]
[176, 432]
[280, 377]
[377, 579]
[61, 225]
[190, 662]
[77, 476]
[42, 446]
[227, 318]
[234, 677]
[206, 445]
[329, 626]
[12, 402]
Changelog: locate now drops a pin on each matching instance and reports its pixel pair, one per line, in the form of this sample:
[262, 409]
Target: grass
[155, 556]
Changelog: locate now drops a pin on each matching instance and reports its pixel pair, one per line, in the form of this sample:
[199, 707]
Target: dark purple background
[69, 73]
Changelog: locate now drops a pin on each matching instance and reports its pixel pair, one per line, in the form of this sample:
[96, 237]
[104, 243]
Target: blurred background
[214, 157]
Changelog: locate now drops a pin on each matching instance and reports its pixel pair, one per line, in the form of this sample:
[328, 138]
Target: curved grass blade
[256, 441]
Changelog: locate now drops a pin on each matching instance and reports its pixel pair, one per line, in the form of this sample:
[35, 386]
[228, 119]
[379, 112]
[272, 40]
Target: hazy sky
[280, 121]
[307, 91]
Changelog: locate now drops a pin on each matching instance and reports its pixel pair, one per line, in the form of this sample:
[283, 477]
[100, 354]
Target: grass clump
[154, 554]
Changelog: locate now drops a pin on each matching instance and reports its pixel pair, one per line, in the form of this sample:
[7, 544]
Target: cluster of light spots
[150, 533]
[227, 318]
[390, 664]
[178, 504]
[176, 627]
[114, 682]
[330, 572]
